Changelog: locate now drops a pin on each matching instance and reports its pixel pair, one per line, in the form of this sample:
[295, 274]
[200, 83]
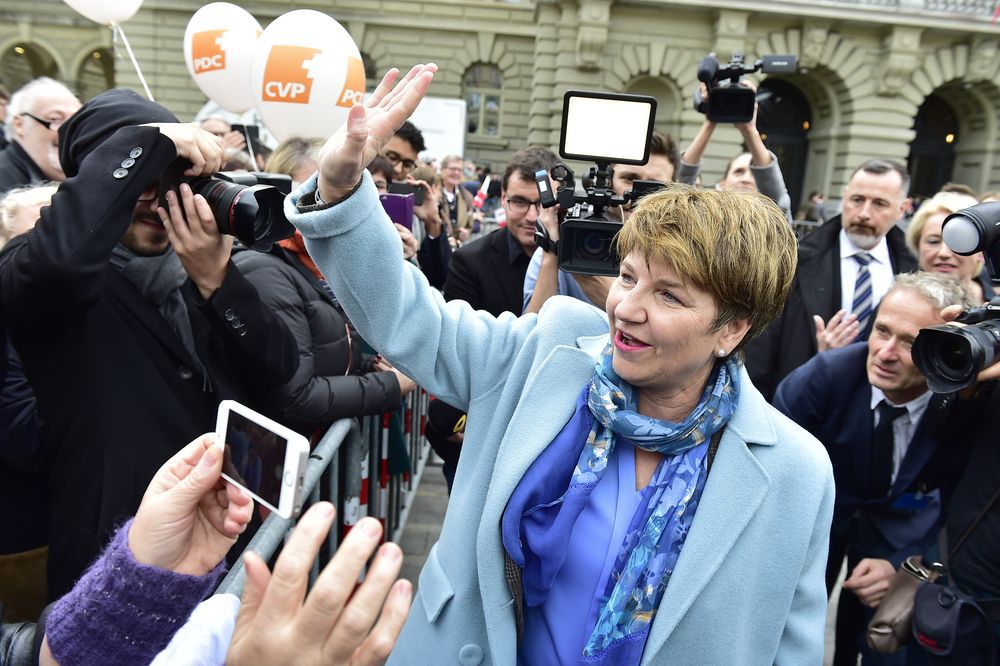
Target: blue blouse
[556, 631]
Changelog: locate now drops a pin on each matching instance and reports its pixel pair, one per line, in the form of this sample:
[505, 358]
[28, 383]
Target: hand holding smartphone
[263, 457]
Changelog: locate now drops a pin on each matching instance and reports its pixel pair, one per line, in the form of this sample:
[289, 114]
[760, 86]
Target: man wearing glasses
[34, 115]
[403, 148]
[489, 272]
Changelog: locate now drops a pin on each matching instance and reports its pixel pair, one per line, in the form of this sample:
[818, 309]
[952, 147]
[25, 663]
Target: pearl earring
[722, 352]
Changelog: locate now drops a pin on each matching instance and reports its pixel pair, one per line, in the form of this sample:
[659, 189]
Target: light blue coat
[749, 586]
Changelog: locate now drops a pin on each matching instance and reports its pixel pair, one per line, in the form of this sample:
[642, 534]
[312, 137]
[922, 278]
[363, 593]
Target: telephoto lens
[246, 208]
[951, 357]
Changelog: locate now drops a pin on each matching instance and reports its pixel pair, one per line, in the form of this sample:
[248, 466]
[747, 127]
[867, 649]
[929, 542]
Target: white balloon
[307, 73]
[219, 43]
[106, 11]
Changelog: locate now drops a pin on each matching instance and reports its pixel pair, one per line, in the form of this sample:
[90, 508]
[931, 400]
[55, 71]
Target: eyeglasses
[47, 124]
[519, 205]
[396, 158]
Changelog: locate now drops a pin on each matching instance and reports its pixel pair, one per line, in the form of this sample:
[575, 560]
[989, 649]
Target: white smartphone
[263, 457]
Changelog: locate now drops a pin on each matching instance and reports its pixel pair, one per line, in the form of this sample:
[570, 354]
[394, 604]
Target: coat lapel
[546, 405]
[147, 314]
[736, 486]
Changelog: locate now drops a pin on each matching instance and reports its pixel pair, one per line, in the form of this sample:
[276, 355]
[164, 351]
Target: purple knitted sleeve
[123, 612]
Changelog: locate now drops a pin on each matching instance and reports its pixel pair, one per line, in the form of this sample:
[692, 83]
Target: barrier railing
[350, 467]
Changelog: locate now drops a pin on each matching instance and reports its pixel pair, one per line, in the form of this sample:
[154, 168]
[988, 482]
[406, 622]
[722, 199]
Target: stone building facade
[914, 80]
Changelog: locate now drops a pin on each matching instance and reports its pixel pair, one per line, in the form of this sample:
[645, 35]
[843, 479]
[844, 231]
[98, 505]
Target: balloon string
[135, 63]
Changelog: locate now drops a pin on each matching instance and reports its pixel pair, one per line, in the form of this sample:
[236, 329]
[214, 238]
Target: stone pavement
[423, 526]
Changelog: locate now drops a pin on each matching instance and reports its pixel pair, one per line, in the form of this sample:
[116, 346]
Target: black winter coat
[790, 340]
[117, 392]
[334, 379]
[17, 169]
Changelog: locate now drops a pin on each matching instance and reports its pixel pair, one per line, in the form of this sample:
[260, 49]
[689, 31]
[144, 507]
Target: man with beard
[33, 116]
[130, 319]
[845, 267]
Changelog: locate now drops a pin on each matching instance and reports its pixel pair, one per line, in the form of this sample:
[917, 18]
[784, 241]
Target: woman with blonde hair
[625, 495]
[924, 238]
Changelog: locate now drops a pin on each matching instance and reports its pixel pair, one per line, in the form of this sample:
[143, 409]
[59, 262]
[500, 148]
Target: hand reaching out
[334, 624]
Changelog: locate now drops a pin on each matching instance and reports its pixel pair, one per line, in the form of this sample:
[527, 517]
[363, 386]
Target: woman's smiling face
[661, 331]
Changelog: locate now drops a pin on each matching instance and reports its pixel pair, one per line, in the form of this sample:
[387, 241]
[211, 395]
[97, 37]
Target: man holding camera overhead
[131, 320]
[897, 449]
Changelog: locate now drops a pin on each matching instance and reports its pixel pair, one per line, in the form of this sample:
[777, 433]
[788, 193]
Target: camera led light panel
[607, 127]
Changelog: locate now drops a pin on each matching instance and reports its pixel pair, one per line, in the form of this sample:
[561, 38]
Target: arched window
[784, 118]
[97, 74]
[483, 85]
[932, 152]
[666, 101]
[23, 62]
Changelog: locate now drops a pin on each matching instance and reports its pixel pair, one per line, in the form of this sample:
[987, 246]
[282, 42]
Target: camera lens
[251, 213]
[950, 357]
[593, 245]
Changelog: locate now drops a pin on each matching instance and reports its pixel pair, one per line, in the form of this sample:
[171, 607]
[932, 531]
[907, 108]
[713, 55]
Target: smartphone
[250, 132]
[401, 187]
[399, 208]
[263, 457]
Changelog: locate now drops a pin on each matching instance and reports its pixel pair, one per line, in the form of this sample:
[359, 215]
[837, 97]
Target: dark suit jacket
[17, 169]
[489, 274]
[118, 393]
[831, 398]
[790, 340]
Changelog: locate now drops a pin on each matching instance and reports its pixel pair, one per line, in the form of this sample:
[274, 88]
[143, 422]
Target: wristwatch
[543, 241]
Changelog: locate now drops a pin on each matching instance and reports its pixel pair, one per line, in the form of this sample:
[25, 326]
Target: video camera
[951, 356]
[249, 206]
[728, 101]
[604, 128]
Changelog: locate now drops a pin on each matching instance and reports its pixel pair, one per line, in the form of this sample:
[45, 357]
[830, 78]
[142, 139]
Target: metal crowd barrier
[350, 467]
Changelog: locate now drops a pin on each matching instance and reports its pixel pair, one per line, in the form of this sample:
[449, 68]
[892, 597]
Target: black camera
[604, 128]
[728, 101]
[951, 356]
[249, 206]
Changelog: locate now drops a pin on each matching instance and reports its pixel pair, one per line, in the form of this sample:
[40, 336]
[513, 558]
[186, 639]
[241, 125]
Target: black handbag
[950, 625]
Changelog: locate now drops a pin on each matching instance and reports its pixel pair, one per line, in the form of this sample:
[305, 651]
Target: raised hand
[841, 330]
[368, 128]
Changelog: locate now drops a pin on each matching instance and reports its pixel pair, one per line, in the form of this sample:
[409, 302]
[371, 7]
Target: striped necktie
[862, 306]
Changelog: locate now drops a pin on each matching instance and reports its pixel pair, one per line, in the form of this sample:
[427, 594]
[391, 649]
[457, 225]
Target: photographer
[130, 319]
[756, 170]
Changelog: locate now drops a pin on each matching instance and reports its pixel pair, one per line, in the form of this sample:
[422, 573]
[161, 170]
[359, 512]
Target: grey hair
[24, 99]
[939, 290]
[14, 200]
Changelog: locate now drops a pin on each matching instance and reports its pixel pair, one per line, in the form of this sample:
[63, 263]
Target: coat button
[242, 330]
[185, 372]
[229, 314]
[127, 162]
[135, 153]
[470, 655]
[120, 173]
[236, 322]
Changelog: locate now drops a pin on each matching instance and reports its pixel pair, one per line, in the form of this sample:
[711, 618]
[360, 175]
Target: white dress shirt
[880, 269]
[904, 426]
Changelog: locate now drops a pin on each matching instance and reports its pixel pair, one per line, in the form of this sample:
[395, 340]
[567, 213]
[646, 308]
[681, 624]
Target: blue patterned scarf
[656, 533]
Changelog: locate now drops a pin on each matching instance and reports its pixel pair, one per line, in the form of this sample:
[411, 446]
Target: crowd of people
[677, 464]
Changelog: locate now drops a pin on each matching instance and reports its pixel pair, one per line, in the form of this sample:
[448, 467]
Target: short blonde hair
[292, 153]
[12, 203]
[942, 202]
[735, 245]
